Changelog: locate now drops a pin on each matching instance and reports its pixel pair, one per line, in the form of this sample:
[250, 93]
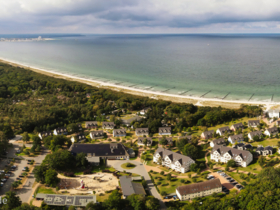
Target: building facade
[119, 132]
[164, 131]
[96, 134]
[142, 131]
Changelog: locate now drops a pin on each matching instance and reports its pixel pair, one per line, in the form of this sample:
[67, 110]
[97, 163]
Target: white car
[3, 180]
[2, 171]
[7, 174]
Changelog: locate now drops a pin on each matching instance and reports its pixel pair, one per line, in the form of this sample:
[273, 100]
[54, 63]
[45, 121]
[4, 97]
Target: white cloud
[134, 16]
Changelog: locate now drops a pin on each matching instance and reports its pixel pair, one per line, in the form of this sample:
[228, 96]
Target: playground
[83, 184]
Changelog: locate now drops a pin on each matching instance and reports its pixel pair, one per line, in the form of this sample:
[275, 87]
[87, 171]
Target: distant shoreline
[199, 101]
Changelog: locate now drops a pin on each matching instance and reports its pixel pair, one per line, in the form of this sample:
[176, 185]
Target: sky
[139, 16]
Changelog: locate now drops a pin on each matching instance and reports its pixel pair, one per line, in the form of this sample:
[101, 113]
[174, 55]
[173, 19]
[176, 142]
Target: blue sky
[139, 16]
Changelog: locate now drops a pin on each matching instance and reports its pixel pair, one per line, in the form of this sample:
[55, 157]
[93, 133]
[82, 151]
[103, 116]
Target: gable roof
[272, 130]
[113, 149]
[142, 131]
[129, 187]
[173, 156]
[224, 129]
[108, 124]
[80, 136]
[199, 187]
[238, 125]
[97, 133]
[91, 123]
[120, 131]
[233, 152]
[164, 130]
[208, 133]
[141, 139]
[237, 137]
[219, 141]
[61, 130]
[255, 133]
[268, 148]
[253, 122]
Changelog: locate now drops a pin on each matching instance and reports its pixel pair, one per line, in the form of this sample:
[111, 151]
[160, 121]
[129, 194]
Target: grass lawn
[266, 142]
[128, 166]
[30, 155]
[254, 167]
[45, 190]
[103, 197]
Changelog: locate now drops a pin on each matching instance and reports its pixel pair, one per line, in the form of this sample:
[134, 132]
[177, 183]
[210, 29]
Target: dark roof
[260, 148]
[199, 187]
[268, 148]
[219, 141]
[61, 130]
[224, 129]
[129, 187]
[169, 139]
[248, 146]
[208, 133]
[91, 123]
[120, 131]
[97, 133]
[272, 130]
[108, 124]
[255, 133]
[142, 131]
[46, 133]
[80, 136]
[113, 149]
[164, 130]
[253, 122]
[65, 200]
[141, 139]
[240, 145]
[233, 152]
[238, 125]
[173, 155]
[237, 137]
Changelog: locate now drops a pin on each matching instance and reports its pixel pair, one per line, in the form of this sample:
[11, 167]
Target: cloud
[132, 16]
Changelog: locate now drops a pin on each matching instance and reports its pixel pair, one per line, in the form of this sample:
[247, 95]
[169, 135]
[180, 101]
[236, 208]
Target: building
[207, 134]
[91, 125]
[66, 200]
[224, 154]
[142, 131]
[220, 141]
[119, 132]
[236, 138]
[221, 131]
[108, 125]
[189, 137]
[271, 131]
[252, 134]
[237, 126]
[164, 131]
[173, 160]
[278, 122]
[242, 146]
[45, 134]
[273, 113]
[60, 131]
[253, 123]
[96, 134]
[145, 110]
[140, 141]
[169, 140]
[78, 138]
[264, 151]
[131, 152]
[129, 187]
[198, 190]
[113, 151]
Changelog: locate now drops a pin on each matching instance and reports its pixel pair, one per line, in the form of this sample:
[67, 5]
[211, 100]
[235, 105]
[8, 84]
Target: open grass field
[103, 197]
[45, 190]
[267, 142]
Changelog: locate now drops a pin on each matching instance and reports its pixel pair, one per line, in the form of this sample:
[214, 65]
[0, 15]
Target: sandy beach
[199, 101]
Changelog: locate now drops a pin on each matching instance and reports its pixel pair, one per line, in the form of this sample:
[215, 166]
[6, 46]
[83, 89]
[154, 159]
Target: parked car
[2, 171]
[219, 172]
[19, 178]
[1, 184]
[232, 180]
[235, 183]
[18, 151]
[229, 178]
[14, 166]
[3, 180]
[7, 174]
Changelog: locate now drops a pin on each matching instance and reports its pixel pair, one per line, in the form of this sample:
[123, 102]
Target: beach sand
[146, 93]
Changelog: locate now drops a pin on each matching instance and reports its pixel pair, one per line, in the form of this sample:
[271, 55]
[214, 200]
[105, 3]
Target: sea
[239, 67]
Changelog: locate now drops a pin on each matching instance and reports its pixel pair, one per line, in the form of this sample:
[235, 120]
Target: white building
[224, 154]
[173, 160]
[254, 133]
[236, 138]
[220, 141]
[60, 131]
[221, 131]
[164, 131]
[273, 113]
[271, 131]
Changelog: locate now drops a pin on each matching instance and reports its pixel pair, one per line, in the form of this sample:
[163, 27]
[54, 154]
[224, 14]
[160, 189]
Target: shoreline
[199, 101]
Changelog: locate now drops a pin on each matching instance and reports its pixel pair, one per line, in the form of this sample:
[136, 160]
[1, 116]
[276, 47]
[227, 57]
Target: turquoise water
[240, 67]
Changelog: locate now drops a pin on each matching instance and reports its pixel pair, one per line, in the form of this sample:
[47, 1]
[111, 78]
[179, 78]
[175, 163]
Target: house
[140, 141]
[278, 122]
[240, 146]
[60, 131]
[253, 123]
[248, 146]
[168, 139]
[189, 137]
[164, 131]
[132, 119]
[237, 126]
[142, 131]
[112, 151]
[131, 152]
[264, 151]
[119, 132]
[252, 134]
[221, 131]
[91, 125]
[108, 125]
[224, 154]
[79, 127]
[78, 137]
[236, 138]
[197, 190]
[173, 160]
[279, 150]
[129, 187]
[45, 134]
[66, 200]
[271, 131]
[96, 134]
[207, 134]
[220, 141]
[273, 113]
[145, 110]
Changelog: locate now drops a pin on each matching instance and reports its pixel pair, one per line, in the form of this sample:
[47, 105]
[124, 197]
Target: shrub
[57, 188]
[162, 173]
[151, 171]
[182, 180]
[87, 171]
[163, 193]
[158, 183]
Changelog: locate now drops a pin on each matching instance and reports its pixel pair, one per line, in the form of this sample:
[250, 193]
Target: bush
[123, 141]
[151, 171]
[182, 180]
[162, 173]
[158, 183]
[57, 188]
[163, 193]
[87, 171]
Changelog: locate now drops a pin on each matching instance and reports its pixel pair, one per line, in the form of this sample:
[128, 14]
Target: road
[139, 169]
[25, 192]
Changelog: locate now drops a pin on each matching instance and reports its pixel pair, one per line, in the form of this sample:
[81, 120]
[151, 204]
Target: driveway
[139, 169]
[223, 181]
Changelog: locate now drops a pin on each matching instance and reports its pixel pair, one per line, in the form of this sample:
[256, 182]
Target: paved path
[139, 169]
